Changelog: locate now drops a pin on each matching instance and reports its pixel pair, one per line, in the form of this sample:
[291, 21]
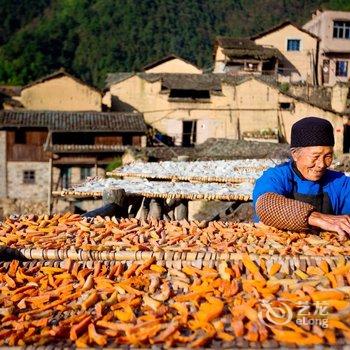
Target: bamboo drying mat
[178, 259]
[342, 344]
[288, 267]
[240, 343]
[204, 179]
[189, 196]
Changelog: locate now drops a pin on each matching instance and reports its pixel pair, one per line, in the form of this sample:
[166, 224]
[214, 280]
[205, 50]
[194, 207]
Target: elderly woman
[303, 193]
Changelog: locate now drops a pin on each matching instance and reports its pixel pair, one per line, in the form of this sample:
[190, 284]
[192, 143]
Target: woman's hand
[333, 223]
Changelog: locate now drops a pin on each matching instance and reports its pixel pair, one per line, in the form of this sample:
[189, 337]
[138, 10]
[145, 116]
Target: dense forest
[92, 37]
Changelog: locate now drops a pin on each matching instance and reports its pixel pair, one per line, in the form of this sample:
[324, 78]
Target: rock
[181, 212]
[21, 206]
[116, 196]
[171, 215]
[170, 202]
[243, 213]
[142, 213]
[155, 210]
[134, 205]
[206, 210]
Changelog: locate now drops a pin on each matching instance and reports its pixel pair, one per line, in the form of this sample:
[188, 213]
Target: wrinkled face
[312, 162]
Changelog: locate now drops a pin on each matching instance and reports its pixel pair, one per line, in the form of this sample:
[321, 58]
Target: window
[127, 139]
[288, 106]
[84, 173]
[29, 177]
[341, 69]
[251, 67]
[20, 137]
[232, 67]
[293, 45]
[189, 94]
[341, 29]
[66, 175]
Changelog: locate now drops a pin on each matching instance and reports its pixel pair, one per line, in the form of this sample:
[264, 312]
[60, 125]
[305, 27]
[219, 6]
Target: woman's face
[312, 162]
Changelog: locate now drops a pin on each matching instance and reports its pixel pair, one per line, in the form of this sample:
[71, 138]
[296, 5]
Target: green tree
[93, 37]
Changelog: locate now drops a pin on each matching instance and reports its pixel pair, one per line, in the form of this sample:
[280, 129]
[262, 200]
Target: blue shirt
[283, 180]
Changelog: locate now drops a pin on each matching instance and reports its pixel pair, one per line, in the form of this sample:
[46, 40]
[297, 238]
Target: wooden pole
[49, 204]
[96, 169]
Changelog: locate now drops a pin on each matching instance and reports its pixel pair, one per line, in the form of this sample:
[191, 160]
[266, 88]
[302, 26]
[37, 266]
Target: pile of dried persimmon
[104, 234]
[144, 303]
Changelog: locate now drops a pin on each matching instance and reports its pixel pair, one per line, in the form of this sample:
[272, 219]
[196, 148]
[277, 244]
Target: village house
[50, 150]
[172, 64]
[192, 108]
[187, 107]
[53, 135]
[60, 91]
[299, 48]
[243, 56]
[286, 51]
[333, 28]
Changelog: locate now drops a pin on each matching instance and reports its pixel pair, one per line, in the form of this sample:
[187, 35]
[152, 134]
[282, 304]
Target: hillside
[90, 38]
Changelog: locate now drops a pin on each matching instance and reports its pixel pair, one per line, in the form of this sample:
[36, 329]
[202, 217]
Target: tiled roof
[182, 81]
[10, 90]
[73, 121]
[114, 78]
[313, 103]
[236, 48]
[239, 79]
[191, 81]
[259, 53]
[235, 43]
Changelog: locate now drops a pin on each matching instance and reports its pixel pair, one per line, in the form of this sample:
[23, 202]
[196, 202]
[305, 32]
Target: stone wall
[21, 207]
[36, 192]
[340, 93]
[319, 95]
[302, 110]
[3, 176]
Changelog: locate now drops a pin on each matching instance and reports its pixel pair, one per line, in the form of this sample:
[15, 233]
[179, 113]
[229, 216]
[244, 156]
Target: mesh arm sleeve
[283, 213]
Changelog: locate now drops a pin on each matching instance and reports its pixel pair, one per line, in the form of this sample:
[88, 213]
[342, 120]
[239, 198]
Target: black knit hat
[312, 131]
